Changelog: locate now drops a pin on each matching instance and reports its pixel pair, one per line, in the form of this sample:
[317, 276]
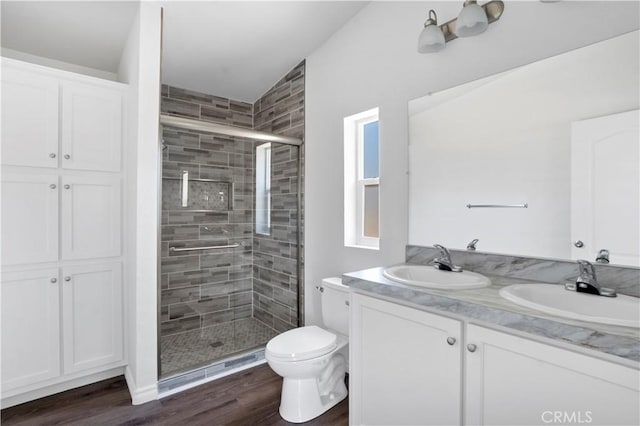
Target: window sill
[362, 247]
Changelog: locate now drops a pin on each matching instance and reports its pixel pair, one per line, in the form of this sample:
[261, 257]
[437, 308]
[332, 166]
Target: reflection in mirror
[559, 135]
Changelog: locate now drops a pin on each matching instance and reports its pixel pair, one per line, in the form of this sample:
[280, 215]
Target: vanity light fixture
[431, 38]
[472, 20]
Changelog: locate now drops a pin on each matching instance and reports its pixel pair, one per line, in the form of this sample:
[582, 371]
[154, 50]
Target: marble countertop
[485, 306]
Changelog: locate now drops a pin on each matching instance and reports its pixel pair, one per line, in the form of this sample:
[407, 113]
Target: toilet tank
[334, 298]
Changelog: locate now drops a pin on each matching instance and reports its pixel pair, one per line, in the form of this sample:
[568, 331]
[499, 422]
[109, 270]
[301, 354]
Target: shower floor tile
[191, 349]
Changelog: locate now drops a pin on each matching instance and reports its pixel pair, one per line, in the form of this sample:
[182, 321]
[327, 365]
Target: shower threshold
[183, 381]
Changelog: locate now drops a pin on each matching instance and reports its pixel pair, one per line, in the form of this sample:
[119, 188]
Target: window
[362, 179]
[263, 189]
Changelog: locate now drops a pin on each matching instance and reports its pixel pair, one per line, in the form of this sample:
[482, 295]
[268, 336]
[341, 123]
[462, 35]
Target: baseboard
[140, 395]
[31, 395]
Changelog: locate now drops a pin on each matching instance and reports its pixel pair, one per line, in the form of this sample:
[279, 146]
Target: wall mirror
[553, 145]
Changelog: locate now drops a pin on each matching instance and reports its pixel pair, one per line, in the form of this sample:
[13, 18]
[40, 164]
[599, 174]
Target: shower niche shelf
[188, 194]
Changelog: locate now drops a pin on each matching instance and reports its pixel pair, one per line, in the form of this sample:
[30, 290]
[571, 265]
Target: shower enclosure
[230, 234]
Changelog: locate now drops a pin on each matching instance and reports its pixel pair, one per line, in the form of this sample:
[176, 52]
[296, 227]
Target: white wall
[140, 68]
[372, 61]
[61, 65]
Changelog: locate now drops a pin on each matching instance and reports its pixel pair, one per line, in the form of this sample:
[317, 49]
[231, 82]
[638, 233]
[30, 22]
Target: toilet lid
[301, 343]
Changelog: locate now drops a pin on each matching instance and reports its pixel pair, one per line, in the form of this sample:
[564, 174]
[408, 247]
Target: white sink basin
[554, 299]
[430, 277]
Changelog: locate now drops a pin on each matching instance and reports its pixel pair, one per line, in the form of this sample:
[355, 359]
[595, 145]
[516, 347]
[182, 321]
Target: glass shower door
[197, 255]
[229, 247]
[276, 239]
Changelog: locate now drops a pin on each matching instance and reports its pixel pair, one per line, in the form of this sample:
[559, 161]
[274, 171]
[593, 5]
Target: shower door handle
[179, 249]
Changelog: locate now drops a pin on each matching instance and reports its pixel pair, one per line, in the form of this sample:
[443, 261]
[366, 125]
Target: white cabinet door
[516, 381]
[30, 327]
[402, 369]
[29, 119]
[29, 218]
[92, 316]
[91, 217]
[91, 128]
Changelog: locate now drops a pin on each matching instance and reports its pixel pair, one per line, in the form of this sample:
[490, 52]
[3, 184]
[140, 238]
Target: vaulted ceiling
[235, 49]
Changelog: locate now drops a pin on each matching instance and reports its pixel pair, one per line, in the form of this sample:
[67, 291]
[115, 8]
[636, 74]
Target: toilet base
[306, 399]
[301, 401]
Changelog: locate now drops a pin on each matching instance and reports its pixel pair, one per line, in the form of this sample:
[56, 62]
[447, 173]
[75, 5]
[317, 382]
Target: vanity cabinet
[405, 365]
[413, 367]
[512, 380]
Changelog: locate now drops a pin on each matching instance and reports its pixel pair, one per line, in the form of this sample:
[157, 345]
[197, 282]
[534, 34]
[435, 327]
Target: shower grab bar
[521, 206]
[175, 249]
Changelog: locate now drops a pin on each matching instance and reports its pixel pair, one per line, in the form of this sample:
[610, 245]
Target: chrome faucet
[588, 283]
[444, 262]
[603, 256]
[472, 245]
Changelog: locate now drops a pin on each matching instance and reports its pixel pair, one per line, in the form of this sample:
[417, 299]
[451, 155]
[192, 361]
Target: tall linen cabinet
[62, 229]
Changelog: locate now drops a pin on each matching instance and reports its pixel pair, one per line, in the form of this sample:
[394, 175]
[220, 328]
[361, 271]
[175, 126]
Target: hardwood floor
[250, 397]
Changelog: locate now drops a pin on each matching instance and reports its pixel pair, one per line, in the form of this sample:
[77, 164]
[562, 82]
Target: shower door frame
[197, 125]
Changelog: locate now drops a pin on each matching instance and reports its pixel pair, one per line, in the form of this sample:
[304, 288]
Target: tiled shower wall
[281, 111]
[259, 280]
[204, 288]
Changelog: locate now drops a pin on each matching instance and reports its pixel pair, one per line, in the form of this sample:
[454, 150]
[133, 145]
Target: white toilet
[313, 360]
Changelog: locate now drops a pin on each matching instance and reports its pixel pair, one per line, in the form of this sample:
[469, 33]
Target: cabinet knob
[578, 244]
[52, 186]
[471, 347]
[67, 278]
[67, 156]
[67, 186]
[54, 280]
[451, 340]
[52, 155]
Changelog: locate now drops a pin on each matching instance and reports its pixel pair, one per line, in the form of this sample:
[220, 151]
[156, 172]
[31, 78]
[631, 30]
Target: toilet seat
[301, 344]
